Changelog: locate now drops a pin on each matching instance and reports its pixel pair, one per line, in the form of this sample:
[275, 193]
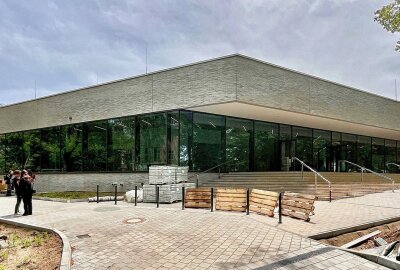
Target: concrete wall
[202, 83]
[275, 87]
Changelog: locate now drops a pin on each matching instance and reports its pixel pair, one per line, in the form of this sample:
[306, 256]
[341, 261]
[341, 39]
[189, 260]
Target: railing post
[97, 193]
[135, 195]
[392, 186]
[212, 199]
[362, 175]
[158, 196]
[197, 180]
[219, 172]
[315, 179]
[330, 193]
[302, 171]
[248, 202]
[280, 208]
[115, 194]
[183, 198]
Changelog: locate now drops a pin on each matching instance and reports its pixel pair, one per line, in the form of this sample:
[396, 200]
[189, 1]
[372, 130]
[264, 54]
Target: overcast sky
[64, 45]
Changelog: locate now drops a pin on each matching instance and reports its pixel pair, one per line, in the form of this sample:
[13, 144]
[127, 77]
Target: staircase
[344, 185]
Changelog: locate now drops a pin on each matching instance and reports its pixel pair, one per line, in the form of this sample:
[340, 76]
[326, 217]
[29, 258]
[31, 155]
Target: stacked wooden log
[198, 198]
[234, 199]
[263, 202]
[298, 205]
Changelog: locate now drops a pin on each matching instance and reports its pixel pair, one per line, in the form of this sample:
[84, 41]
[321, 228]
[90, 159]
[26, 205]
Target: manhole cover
[106, 209]
[134, 220]
[83, 236]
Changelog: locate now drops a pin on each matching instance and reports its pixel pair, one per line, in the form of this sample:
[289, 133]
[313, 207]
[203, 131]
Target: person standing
[26, 192]
[8, 180]
[17, 187]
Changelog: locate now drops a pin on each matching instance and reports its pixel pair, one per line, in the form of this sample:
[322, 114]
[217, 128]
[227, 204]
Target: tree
[389, 17]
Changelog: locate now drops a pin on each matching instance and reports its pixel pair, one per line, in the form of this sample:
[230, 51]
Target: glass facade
[197, 140]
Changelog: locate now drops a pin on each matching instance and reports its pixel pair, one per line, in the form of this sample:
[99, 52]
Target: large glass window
[208, 141]
[349, 150]
[173, 138]
[186, 139]
[121, 144]
[51, 149]
[14, 151]
[32, 150]
[322, 150]
[303, 144]
[338, 152]
[266, 136]
[2, 154]
[239, 138]
[391, 155]
[94, 144]
[378, 154]
[153, 140]
[71, 151]
[364, 151]
[286, 147]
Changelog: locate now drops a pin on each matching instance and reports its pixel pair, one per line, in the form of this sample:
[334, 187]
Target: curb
[59, 200]
[66, 256]
[374, 258]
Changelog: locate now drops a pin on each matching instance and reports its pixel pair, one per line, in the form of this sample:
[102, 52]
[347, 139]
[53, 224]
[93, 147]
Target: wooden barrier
[263, 202]
[298, 205]
[3, 186]
[198, 198]
[231, 199]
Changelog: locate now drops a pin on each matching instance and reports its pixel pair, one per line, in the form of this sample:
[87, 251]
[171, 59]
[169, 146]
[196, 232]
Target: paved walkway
[169, 238]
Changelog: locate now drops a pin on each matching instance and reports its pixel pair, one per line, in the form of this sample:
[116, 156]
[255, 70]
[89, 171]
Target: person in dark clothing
[26, 192]
[17, 186]
[8, 180]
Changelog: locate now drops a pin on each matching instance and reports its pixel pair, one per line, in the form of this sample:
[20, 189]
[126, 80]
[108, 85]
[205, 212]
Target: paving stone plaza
[105, 236]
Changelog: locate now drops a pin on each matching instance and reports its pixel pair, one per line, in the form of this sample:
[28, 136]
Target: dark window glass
[398, 152]
[186, 139]
[286, 147]
[32, 149]
[322, 150]
[239, 134]
[51, 149]
[390, 155]
[153, 140]
[71, 147]
[338, 152]
[2, 154]
[349, 151]
[14, 151]
[378, 155]
[121, 144]
[364, 151]
[303, 145]
[94, 144]
[173, 138]
[208, 141]
[266, 147]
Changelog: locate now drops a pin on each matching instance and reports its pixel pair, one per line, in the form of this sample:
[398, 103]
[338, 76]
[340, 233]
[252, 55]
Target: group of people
[22, 182]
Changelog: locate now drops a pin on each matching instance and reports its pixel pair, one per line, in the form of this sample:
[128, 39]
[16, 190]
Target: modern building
[243, 112]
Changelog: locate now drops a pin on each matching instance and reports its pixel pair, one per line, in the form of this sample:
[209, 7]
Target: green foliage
[4, 255]
[26, 243]
[38, 240]
[2, 267]
[15, 240]
[74, 194]
[389, 17]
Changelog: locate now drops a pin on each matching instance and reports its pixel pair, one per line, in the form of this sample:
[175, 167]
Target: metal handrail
[316, 175]
[393, 164]
[208, 170]
[368, 170]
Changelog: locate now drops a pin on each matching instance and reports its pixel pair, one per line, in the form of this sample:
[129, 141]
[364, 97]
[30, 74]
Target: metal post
[248, 202]
[330, 193]
[362, 175]
[392, 186]
[197, 180]
[97, 193]
[219, 172]
[158, 196]
[315, 179]
[212, 199]
[135, 195]
[280, 208]
[302, 171]
[115, 197]
[183, 198]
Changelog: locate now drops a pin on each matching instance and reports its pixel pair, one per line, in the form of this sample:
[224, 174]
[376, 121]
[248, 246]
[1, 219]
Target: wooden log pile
[198, 198]
[263, 202]
[298, 205]
[231, 199]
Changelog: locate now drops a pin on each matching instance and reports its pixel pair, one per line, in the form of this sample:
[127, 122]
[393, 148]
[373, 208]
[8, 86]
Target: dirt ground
[389, 232]
[29, 249]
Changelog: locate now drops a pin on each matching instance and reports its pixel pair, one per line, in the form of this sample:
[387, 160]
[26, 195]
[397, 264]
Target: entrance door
[287, 150]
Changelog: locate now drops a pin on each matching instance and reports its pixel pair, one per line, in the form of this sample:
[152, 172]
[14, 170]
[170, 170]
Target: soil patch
[27, 249]
[389, 232]
[75, 194]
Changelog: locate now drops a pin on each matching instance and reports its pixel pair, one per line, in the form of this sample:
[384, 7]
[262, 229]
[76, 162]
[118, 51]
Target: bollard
[183, 198]
[248, 202]
[280, 207]
[97, 193]
[212, 199]
[330, 195]
[135, 195]
[115, 197]
[158, 196]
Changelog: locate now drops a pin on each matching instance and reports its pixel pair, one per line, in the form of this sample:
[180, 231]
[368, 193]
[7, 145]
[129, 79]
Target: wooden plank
[197, 205]
[195, 196]
[266, 202]
[298, 204]
[230, 195]
[295, 214]
[260, 196]
[263, 211]
[230, 208]
[232, 190]
[265, 192]
[296, 209]
[300, 195]
[361, 239]
[199, 190]
[227, 199]
[262, 205]
[293, 198]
